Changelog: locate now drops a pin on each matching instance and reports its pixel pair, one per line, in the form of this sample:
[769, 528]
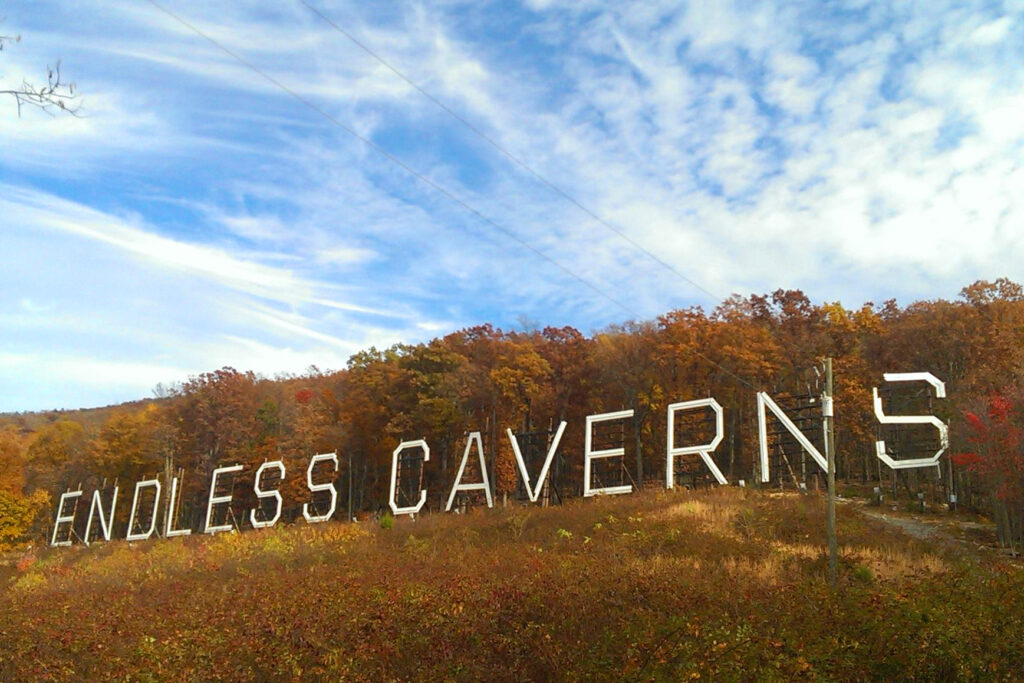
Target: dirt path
[975, 534]
[908, 525]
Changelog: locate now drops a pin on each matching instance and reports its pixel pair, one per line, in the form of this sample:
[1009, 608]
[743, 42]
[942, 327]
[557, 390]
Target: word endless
[64, 523]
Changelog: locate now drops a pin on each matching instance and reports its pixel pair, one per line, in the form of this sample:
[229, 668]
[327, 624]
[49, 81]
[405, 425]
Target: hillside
[728, 583]
[484, 380]
[30, 422]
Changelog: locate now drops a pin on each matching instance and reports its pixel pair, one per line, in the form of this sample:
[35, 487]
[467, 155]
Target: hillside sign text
[67, 509]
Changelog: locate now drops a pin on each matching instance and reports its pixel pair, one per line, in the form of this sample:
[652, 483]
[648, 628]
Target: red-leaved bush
[995, 435]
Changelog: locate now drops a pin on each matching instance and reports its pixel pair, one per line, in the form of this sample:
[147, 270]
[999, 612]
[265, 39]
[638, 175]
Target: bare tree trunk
[492, 430]
[732, 446]
[637, 431]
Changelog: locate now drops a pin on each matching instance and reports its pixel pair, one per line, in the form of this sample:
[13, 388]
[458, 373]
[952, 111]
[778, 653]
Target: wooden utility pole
[351, 474]
[830, 455]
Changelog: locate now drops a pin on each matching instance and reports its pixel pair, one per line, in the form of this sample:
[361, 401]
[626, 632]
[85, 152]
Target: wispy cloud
[855, 150]
[248, 276]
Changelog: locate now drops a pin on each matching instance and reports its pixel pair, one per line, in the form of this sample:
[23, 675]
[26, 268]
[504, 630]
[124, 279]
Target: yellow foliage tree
[17, 516]
[12, 462]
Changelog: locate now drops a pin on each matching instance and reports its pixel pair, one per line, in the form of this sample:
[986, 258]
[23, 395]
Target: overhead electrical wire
[511, 157]
[421, 177]
[392, 158]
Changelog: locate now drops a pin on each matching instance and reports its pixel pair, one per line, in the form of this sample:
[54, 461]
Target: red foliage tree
[995, 437]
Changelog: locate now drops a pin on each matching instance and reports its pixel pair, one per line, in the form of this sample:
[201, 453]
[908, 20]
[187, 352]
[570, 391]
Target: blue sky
[196, 215]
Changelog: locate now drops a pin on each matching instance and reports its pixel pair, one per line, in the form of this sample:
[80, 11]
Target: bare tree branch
[54, 95]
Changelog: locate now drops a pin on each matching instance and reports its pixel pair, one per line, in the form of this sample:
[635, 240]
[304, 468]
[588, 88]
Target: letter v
[534, 493]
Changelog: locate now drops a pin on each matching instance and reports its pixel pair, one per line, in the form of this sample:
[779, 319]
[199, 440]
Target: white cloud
[343, 256]
[90, 371]
[991, 33]
[215, 264]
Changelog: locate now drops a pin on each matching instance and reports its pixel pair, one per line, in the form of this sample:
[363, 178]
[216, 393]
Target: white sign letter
[155, 483]
[484, 486]
[590, 454]
[217, 500]
[703, 451]
[412, 509]
[328, 486]
[170, 531]
[260, 493]
[764, 400]
[940, 392]
[106, 523]
[61, 518]
[534, 493]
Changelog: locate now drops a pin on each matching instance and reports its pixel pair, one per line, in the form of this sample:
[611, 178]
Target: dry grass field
[669, 585]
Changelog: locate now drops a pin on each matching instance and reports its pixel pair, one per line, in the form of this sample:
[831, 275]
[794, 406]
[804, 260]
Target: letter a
[484, 486]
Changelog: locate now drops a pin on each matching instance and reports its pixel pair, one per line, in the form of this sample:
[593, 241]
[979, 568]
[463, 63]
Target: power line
[416, 174]
[511, 157]
[395, 160]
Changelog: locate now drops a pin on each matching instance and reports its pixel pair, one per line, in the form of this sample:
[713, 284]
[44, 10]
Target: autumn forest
[487, 380]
